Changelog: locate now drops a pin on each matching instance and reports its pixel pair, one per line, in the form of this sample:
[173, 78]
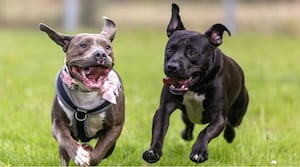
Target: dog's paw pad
[198, 158]
[151, 156]
[82, 157]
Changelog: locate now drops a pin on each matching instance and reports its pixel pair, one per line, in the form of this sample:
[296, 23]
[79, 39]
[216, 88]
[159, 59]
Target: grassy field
[270, 131]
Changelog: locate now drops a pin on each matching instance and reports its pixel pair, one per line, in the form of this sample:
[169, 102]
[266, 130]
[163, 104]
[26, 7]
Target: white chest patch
[194, 106]
[86, 100]
[94, 121]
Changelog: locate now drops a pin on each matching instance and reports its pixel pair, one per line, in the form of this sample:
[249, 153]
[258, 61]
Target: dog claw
[198, 158]
[151, 156]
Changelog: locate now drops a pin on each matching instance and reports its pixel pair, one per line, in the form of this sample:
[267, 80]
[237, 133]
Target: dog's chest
[86, 100]
[94, 122]
[193, 103]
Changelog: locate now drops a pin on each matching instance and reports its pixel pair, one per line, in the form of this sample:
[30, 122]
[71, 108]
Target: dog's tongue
[169, 81]
[177, 87]
[177, 83]
[92, 77]
[94, 72]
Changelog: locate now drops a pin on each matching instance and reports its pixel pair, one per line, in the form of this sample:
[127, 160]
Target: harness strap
[79, 123]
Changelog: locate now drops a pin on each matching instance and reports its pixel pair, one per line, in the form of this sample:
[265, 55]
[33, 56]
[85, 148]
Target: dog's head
[188, 54]
[89, 57]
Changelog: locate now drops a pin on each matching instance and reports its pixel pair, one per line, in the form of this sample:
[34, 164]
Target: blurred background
[265, 42]
[265, 16]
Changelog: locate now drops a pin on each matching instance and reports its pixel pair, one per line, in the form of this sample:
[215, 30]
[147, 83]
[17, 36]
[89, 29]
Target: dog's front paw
[82, 157]
[151, 156]
[199, 157]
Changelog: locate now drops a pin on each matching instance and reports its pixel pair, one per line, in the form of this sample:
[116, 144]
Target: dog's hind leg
[239, 108]
[187, 132]
[64, 157]
[236, 114]
[229, 132]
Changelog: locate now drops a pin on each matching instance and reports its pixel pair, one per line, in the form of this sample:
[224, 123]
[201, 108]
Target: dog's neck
[86, 100]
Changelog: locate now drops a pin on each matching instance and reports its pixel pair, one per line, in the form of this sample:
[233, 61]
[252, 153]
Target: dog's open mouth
[92, 77]
[177, 87]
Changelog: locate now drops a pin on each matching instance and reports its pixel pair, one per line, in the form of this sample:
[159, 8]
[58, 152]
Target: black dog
[206, 85]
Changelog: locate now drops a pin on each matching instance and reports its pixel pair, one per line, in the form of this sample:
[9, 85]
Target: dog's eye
[193, 53]
[108, 47]
[83, 45]
[169, 51]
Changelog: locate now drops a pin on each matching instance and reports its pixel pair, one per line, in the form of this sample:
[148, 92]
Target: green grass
[270, 131]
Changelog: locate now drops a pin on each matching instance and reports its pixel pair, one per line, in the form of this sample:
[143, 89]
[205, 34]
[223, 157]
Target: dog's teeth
[86, 70]
[83, 74]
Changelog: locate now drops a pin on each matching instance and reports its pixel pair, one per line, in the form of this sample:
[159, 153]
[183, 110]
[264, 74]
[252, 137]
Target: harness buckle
[80, 115]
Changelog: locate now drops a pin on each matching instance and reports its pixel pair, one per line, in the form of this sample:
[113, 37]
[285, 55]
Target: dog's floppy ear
[109, 28]
[215, 34]
[59, 38]
[175, 22]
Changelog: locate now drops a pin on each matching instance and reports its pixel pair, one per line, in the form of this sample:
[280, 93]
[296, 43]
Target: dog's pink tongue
[169, 81]
[182, 84]
[95, 72]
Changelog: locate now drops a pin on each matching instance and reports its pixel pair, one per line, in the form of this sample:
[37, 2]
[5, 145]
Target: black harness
[79, 122]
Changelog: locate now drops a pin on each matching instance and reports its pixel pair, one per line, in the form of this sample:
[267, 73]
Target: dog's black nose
[172, 67]
[100, 55]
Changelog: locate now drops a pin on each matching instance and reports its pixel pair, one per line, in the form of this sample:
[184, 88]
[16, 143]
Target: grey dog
[89, 101]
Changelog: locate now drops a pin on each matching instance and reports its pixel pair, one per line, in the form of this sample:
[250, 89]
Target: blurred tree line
[27, 14]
